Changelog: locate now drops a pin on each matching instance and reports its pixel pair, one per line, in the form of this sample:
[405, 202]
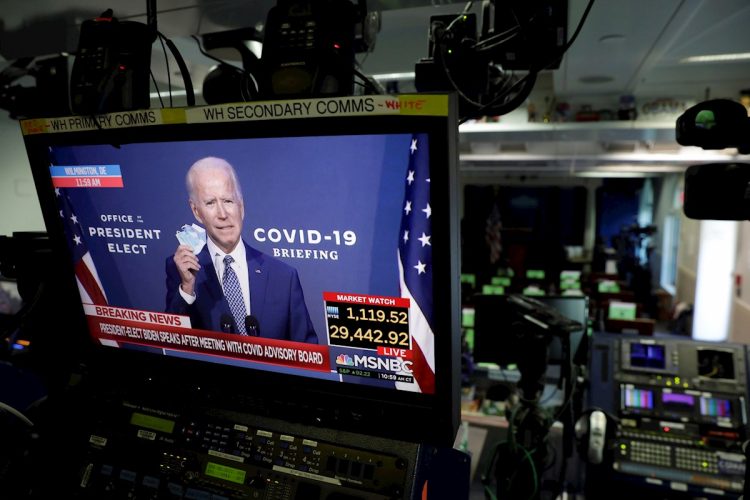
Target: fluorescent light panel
[394, 76]
[738, 56]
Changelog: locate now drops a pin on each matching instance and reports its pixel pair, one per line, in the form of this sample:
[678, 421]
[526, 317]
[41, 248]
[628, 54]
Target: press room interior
[574, 192]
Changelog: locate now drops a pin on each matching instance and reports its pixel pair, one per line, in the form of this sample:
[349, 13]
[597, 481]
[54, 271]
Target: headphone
[593, 430]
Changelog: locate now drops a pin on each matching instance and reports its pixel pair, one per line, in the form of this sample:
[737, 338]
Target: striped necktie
[233, 293]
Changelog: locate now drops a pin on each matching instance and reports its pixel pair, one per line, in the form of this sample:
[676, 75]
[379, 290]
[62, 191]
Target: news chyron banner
[405, 104]
[344, 241]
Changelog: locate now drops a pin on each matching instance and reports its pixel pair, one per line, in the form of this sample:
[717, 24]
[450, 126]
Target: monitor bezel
[370, 410]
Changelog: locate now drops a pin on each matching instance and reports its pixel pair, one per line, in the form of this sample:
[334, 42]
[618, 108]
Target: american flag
[89, 284]
[415, 265]
[492, 235]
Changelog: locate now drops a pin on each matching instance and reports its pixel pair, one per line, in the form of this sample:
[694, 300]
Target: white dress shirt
[240, 269]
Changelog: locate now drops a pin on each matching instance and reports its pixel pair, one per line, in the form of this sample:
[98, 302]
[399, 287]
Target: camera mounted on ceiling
[49, 95]
[308, 51]
[515, 35]
[716, 191]
[113, 64]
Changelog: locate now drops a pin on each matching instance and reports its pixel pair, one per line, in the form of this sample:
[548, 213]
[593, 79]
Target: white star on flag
[427, 210]
[420, 267]
[425, 240]
[406, 236]
[89, 285]
[407, 208]
[57, 191]
[413, 146]
[410, 177]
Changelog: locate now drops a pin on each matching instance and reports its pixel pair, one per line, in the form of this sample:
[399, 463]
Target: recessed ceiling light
[596, 79]
[738, 56]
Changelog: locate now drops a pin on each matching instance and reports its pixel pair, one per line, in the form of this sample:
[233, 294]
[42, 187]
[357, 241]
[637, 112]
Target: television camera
[479, 65]
[531, 327]
[718, 191]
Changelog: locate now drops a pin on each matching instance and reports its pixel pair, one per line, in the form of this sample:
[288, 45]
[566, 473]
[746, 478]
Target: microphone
[252, 327]
[227, 323]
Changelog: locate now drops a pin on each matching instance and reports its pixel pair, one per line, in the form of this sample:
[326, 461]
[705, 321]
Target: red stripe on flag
[83, 273]
[422, 371]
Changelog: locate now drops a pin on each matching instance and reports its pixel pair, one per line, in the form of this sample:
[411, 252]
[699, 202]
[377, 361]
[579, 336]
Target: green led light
[151, 422]
[677, 380]
[227, 473]
[705, 465]
[623, 447]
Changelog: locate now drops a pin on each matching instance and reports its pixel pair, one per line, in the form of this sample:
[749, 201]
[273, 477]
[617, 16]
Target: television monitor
[636, 398]
[648, 356]
[622, 310]
[492, 322]
[347, 211]
[577, 309]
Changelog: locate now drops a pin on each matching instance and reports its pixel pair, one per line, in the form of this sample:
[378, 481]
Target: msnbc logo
[344, 359]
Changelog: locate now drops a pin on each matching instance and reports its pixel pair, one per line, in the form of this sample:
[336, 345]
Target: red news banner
[170, 331]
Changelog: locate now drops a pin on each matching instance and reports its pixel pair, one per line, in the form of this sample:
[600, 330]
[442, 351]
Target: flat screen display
[636, 398]
[575, 308]
[336, 241]
[676, 400]
[647, 356]
[715, 363]
[319, 250]
[716, 407]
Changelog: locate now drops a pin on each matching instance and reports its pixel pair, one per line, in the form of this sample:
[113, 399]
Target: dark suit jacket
[276, 298]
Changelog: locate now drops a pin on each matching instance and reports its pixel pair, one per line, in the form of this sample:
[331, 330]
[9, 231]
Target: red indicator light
[667, 429]
[336, 46]
[122, 67]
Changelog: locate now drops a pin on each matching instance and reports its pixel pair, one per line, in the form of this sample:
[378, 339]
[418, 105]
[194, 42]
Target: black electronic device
[575, 308]
[228, 83]
[495, 320]
[452, 61]
[529, 35]
[365, 369]
[308, 49]
[514, 35]
[153, 451]
[49, 97]
[682, 408]
[715, 124]
[364, 388]
[522, 331]
[112, 66]
[719, 191]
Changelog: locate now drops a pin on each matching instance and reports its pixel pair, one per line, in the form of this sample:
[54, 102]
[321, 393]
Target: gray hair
[212, 163]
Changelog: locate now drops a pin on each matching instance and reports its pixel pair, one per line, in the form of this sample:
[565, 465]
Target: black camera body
[715, 124]
[716, 191]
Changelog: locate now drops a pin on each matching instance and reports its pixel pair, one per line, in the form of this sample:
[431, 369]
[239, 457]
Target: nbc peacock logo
[344, 359]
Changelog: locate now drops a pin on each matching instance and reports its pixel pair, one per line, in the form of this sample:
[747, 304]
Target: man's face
[216, 207]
